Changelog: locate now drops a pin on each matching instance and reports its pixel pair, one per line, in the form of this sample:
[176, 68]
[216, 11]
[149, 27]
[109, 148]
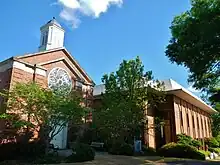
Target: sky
[99, 33]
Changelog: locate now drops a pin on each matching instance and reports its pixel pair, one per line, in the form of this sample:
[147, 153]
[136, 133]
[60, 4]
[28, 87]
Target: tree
[44, 108]
[128, 92]
[195, 42]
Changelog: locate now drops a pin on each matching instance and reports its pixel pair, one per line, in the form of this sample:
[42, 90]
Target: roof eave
[192, 99]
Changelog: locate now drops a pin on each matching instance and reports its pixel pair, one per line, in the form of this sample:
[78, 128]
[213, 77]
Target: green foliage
[181, 151]
[216, 150]
[148, 151]
[184, 139]
[12, 151]
[206, 153]
[188, 140]
[81, 152]
[212, 142]
[196, 143]
[49, 111]
[124, 102]
[195, 42]
[215, 124]
[122, 149]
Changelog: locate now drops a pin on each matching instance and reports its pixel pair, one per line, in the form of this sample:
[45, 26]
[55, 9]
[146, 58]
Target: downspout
[34, 79]
[34, 74]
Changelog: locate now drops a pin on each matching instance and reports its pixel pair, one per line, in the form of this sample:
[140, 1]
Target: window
[193, 122]
[78, 85]
[198, 128]
[206, 129]
[201, 124]
[187, 118]
[43, 40]
[181, 122]
[181, 117]
[46, 37]
[59, 81]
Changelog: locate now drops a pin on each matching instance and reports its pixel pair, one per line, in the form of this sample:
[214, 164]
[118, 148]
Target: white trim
[52, 61]
[25, 68]
[171, 87]
[41, 72]
[72, 66]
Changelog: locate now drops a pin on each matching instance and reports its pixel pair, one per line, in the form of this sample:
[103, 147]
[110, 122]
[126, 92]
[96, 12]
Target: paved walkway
[105, 159]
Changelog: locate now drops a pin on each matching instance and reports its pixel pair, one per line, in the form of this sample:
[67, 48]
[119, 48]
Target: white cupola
[52, 35]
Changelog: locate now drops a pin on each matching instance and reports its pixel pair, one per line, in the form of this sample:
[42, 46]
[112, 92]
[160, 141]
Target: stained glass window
[59, 81]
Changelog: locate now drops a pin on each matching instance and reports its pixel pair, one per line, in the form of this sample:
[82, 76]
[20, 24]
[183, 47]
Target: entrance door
[60, 140]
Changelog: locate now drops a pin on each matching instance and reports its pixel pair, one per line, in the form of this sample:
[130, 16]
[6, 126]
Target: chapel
[52, 67]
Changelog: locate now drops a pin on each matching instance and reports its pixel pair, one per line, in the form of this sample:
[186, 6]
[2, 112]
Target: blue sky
[104, 37]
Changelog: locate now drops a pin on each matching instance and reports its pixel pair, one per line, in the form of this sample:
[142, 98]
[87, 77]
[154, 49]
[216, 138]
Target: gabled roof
[68, 55]
[171, 87]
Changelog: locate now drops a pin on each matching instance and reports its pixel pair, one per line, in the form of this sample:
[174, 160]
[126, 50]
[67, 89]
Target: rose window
[59, 81]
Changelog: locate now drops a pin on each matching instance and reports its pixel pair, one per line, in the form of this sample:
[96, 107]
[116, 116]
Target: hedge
[212, 142]
[121, 149]
[21, 151]
[81, 152]
[181, 151]
[188, 140]
[216, 150]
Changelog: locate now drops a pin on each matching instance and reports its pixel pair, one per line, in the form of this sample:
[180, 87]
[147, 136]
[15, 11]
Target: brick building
[53, 66]
[183, 112]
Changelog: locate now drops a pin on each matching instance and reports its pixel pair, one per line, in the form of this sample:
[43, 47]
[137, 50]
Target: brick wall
[5, 79]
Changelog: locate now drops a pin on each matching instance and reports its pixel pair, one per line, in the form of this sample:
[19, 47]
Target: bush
[206, 153]
[81, 153]
[180, 151]
[196, 143]
[20, 151]
[188, 140]
[216, 150]
[121, 149]
[212, 142]
[218, 138]
[148, 151]
[184, 139]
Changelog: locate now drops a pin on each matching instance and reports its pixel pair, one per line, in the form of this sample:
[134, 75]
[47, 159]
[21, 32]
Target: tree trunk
[44, 137]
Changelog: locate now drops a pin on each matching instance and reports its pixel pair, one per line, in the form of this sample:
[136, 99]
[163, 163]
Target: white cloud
[72, 9]
[191, 89]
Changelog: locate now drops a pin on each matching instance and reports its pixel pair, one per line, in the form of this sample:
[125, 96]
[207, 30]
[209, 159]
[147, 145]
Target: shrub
[218, 138]
[180, 151]
[196, 143]
[216, 150]
[121, 149]
[81, 152]
[206, 153]
[148, 151]
[30, 150]
[184, 139]
[188, 140]
[212, 142]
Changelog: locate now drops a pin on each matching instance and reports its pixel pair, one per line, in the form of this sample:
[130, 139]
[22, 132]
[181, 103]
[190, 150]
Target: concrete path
[105, 159]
